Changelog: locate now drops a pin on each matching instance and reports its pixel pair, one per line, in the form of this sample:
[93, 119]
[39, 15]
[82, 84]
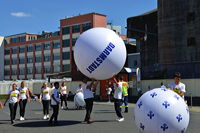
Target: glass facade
[38, 59]
[30, 48]
[21, 49]
[47, 58]
[21, 60]
[56, 56]
[22, 71]
[38, 47]
[14, 61]
[7, 62]
[30, 60]
[14, 71]
[7, 72]
[7, 51]
[47, 69]
[14, 50]
[38, 69]
[56, 68]
[56, 45]
[29, 70]
[47, 46]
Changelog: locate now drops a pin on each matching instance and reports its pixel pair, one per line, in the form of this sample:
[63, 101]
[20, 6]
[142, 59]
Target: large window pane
[56, 45]
[14, 71]
[65, 30]
[22, 71]
[66, 43]
[38, 59]
[56, 56]
[38, 47]
[56, 68]
[87, 26]
[47, 46]
[66, 55]
[13, 40]
[7, 72]
[47, 58]
[21, 49]
[7, 51]
[66, 67]
[30, 60]
[75, 28]
[47, 69]
[73, 41]
[22, 39]
[14, 50]
[22, 61]
[14, 61]
[30, 48]
[38, 69]
[29, 70]
[7, 62]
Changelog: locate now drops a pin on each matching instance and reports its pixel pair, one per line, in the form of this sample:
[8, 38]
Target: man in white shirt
[87, 90]
[118, 98]
[63, 95]
[55, 104]
[177, 86]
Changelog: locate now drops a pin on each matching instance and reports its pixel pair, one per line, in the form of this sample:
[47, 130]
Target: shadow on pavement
[101, 112]
[37, 124]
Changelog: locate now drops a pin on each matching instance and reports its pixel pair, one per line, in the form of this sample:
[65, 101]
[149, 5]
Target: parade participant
[177, 86]
[79, 89]
[109, 90]
[1, 105]
[118, 98]
[24, 96]
[89, 98]
[13, 98]
[63, 97]
[54, 104]
[125, 95]
[45, 99]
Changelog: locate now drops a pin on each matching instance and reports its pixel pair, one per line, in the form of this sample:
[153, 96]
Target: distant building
[1, 58]
[115, 28]
[34, 56]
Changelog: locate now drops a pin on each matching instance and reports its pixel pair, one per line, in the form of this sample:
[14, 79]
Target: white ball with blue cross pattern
[161, 111]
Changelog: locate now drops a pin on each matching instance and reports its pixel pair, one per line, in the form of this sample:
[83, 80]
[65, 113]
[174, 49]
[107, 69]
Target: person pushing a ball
[177, 86]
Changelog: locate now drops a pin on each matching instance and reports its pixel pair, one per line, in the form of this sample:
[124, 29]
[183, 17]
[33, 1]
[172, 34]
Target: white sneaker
[45, 117]
[62, 107]
[21, 118]
[120, 119]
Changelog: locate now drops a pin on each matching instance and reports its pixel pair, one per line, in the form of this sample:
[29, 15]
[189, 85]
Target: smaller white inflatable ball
[79, 99]
[99, 53]
[161, 111]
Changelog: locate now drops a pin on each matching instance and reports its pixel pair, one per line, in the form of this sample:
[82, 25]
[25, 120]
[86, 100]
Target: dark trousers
[55, 113]
[45, 104]
[63, 99]
[89, 106]
[117, 104]
[126, 103]
[13, 109]
[22, 106]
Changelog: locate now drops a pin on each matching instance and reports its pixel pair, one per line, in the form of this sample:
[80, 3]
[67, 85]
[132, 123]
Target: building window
[65, 30]
[38, 69]
[87, 26]
[66, 68]
[38, 59]
[66, 43]
[191, 41]
[7, 62]
[56, 68]
[7, 51]
[56, 56]
[191, 17]
[38, 47]
[7, 72]
[56, 45]
[29, 70]
[47, 69]
[66, 55]
[30, 48]
[14, 50]
[22, 39]
[22, 61]
[30, 60]
[22, 71]
[47, 46]
[47, 58]
[73, 41]
[75, 28]
[13, 40]
[22, 50]
[14, 71]
[14, 61]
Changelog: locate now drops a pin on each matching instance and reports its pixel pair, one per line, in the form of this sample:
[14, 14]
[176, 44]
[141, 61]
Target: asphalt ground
[70, 120]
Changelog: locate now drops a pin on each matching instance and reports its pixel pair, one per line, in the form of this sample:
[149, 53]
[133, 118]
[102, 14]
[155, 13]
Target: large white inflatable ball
[161, 111]
[79, 100]
[99, 53]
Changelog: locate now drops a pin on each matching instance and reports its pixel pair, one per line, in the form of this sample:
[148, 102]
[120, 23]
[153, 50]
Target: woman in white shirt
[45, 99]
[63, 97]
[24, 96]
[13, 98]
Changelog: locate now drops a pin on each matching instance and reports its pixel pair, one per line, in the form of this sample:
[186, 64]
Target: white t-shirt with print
[180, 86]
[46, 93]
[13, 96]
[87, 92]
[23, 92]
[118, 91]
[63, 89]
[55, 92]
